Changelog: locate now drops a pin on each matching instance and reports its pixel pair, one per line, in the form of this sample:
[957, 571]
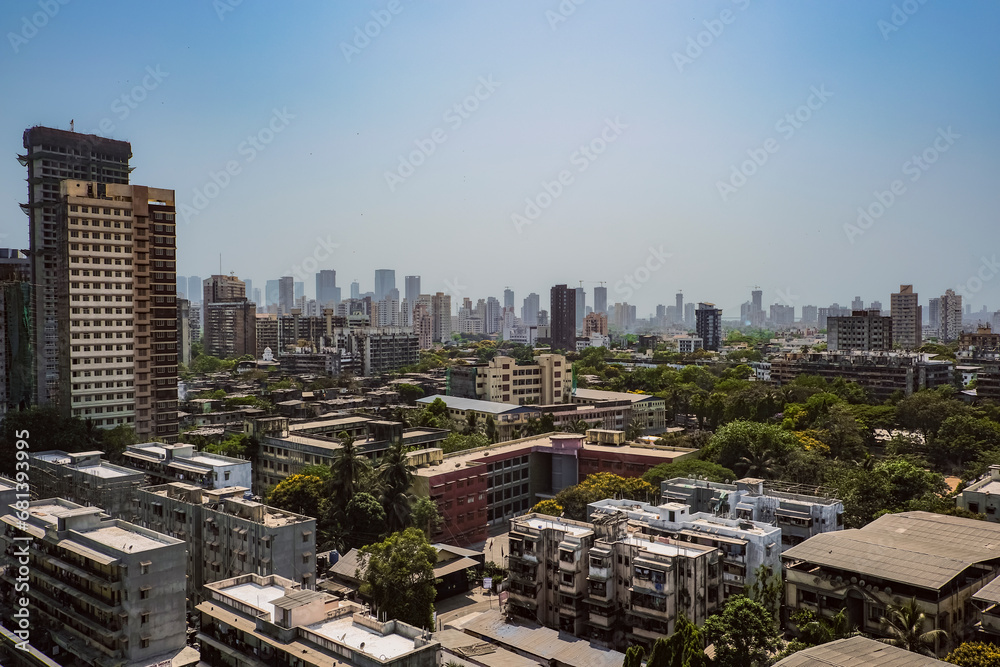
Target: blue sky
[677, 118]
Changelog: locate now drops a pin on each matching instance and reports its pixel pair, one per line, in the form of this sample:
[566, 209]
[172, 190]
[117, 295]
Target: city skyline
[657, 136]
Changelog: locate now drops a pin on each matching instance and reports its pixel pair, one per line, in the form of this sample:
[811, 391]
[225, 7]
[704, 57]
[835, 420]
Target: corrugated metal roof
[989, 593]
[857, 652]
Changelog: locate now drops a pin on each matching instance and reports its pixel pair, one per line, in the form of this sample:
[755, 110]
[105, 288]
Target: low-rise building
[229, 534]
[480, 487]
[940, 561]
[983, 495]
[688, 344]
[263, 620]
[857, 651]
[86, 479]
[648, 412]
[183, 463]
[745, 545]
[109, 592]
[800, 512]
[881, 373]
[502, 380]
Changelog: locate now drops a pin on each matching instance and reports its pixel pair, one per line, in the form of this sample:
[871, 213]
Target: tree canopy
[398, 576]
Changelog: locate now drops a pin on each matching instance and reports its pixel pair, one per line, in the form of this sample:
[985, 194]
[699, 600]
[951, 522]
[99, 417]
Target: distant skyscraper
[601, 299]
[385, 280]
[951, 316]
[809, 314]
[441, 316]
[271, 293]
[326, 288]
[194, 288]
[756, 300]
[875, 305]
[581, 309]
[300, 290]
[858, 303]
[249, 289]
[286, 295]
[562, 311]
[411, 289]
[355, 290]
[182, 287]
[223, 289]
[230, 319]
[934, 313]
[679, 300]
[709, 325]
[508, 298]
[529, 311]
[256, 295]
[907, 318]
[689, 318]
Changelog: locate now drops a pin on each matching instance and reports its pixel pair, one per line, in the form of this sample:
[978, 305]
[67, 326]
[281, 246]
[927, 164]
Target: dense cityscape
[529, 434]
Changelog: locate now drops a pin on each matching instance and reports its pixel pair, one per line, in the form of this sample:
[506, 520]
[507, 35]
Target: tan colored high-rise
[951, 316]
[441, 316]
[116, 306]
[907, 318]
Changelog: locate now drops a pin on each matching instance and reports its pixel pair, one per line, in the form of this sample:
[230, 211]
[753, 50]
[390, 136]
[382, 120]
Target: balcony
[645, 633]
[601, 620]
[599, 573]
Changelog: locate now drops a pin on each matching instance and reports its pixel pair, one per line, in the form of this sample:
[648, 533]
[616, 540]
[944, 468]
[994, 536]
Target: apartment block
[477, 488]
[688, 344]
[562, 306]
[116, 289]
[607, 583]
[940, 561]
[983, 495]
[907, 318]
[180, 462]
[647, 412]
[262, 620]
[229, 534]
[109, 592]
[230, 318]
[17, 357]
[441, 317]
[745, 545]
[951, 316]
[864, 330]
[983, 344]
[799, 511]
[595, 323]
[86, 479]
[881, 373]
[549, 380]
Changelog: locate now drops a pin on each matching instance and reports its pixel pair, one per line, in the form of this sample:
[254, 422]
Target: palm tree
[348, 469]
[905, 626]
[758, 462]
[395, 475]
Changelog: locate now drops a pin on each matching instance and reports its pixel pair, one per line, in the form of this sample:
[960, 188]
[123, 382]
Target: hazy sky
[703, 146]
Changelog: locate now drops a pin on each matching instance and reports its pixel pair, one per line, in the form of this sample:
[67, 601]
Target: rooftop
[602, 395]
[857, 652]
[492, 407]
[256, 595]
[345, 630]
[541, 522]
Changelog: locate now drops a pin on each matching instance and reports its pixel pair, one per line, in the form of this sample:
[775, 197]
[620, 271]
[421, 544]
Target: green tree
[549, 507]
[44, 428]
[962, 438]
[744, 634]
[426, 517]
[491, 432]
[574, 499]
[684, 648]
[745, 439]
[349, 467]
[766, 590]
[301, 494]
[395, 476]
[364, 521]
[975, 654]
[409, 392]
[905, 626]
[633, 656]
[706, 470]
[927, 410]
[398, 576]
[456, 442]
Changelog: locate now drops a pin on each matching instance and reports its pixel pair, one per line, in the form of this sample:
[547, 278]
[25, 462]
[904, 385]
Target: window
[144, 618]
[144, 568]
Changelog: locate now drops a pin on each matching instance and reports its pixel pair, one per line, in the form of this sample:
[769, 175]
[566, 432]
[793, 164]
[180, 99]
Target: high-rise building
[230, 318]
[441, 317]
[182, 287]
[679, 301]
[194, 287]
[782, 315]
[327, 294]
[492, 319]
[255, 297]
[355, 290]
[907, 318]
[951, 316]
[858, 303]
[249, 288]
[934, 313]
[595, 323]
[562, 309]
[600, 299]
[864, 330]
[809, 314]
[286, 295]
[423, 325]
[53, 155]
[411, 289]
[184, 331]
[529, 311]
[385, 280]
[17, 376]
[117, 361]
[272, 292]
[708, 323]
[508, 298]
[581, 309]
[300, 290]
[689, 319]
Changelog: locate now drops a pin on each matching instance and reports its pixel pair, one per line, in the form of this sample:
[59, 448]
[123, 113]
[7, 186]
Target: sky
[820, 150]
